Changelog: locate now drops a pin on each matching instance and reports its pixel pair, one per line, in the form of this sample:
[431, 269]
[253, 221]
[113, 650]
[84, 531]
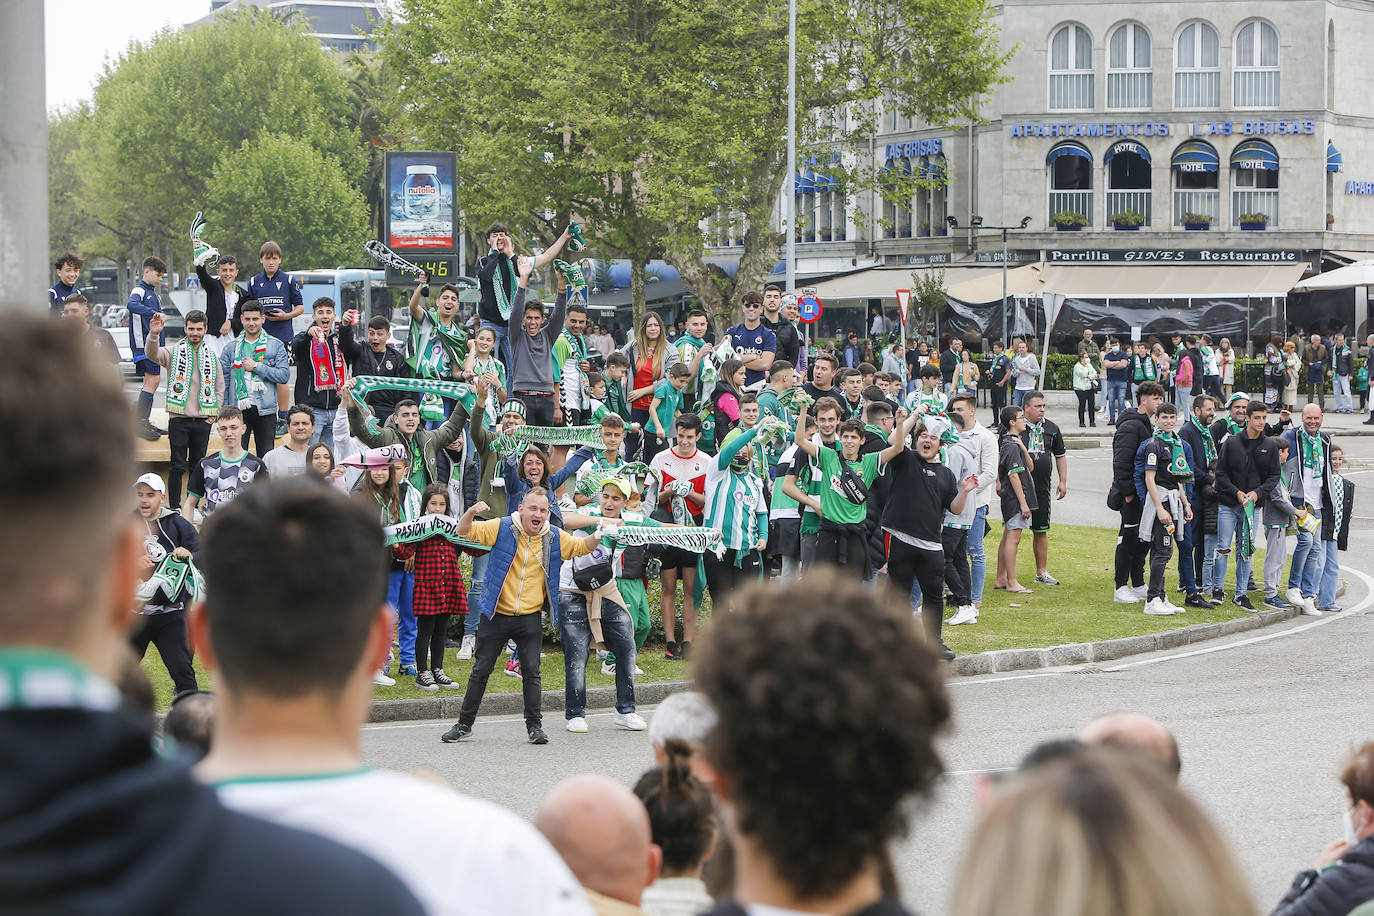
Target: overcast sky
[81, 34]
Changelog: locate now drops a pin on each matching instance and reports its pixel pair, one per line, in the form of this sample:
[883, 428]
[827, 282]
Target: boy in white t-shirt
[287, 723]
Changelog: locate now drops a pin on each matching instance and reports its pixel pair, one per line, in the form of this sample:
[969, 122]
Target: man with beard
[788, 338]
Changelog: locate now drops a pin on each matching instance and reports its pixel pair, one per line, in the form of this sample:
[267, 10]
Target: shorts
[145, 366]
[677, 558]
[784, 537]
[1040, 515]
[1016, 522]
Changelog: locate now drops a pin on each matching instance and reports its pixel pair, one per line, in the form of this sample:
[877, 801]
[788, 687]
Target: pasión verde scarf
[199, 362]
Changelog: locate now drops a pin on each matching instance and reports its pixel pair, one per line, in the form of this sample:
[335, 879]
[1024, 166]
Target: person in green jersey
[691, 347]
[784, 512]
[845, 479]
[781, 378]
[590, 475]
[736, 507]
[806, 478]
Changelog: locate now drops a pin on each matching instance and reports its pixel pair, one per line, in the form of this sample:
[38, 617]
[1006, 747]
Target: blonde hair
[1098, 831]
[1290, 347]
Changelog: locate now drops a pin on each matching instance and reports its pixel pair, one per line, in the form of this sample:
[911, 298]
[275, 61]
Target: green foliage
[1252, 219]
[1202, 218]
[282, 188]
[1128, 218]
[928, 299]
[1069, 218]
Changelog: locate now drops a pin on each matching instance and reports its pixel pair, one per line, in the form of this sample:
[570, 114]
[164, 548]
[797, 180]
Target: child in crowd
[482, 361]
[586, 488]
[1335, 530]
[928, 400]
[1279, 513]
[439, 592]
[1163, 466]
[682, 819]
[663, 409]
[280, 298]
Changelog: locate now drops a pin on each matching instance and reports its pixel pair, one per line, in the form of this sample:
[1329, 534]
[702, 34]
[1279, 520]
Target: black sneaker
[1251, 586]
[1243, 601]
[1218, 595]
[686, 650]
[425, 681]
[443, 680]
[1196, 600]
[1369, 422]
[537, 736]
[148, 431]
[457, 733]
[946, 652]
[671, 652]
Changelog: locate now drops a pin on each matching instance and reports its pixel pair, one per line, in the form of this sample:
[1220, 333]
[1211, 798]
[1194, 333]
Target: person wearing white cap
[162, 616]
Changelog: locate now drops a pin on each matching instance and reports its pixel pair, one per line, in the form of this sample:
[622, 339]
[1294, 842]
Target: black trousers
[999, 400]
[527, 630]
[723, 576]
[188, 438]
[906, 565]
[538, 408]
[1130, 549]
[167, 632]
[431, 635]
[1161, 549]
[1087, 405]
[844, 547]
[957, 577]
[262, 430]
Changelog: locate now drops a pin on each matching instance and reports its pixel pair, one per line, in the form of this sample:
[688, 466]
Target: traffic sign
[811, 308]
[903, 300]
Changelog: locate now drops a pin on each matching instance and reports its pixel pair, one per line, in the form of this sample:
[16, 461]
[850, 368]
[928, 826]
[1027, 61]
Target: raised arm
[800, 438]
[728, 453]
[896, 440]
[417, 308]
[548, 254]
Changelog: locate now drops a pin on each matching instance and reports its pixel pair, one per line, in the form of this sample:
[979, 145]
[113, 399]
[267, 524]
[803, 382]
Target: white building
[1236, 135]
[344, 25]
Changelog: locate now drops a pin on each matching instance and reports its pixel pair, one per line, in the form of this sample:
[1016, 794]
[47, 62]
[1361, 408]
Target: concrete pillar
[24, 268]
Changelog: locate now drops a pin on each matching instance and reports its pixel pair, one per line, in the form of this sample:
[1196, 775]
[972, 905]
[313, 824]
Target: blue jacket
[517, 485]
[1141, 492]
[144, 303]
[274, 369]
[503, 554]
[59, 291]
[281, 293]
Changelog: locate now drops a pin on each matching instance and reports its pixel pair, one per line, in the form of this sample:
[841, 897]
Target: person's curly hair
[829, 702]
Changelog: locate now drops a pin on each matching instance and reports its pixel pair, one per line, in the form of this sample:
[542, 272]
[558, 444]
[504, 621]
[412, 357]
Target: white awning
[883, 282]
[1158, 281]
[1021, 281]
[1361, 273]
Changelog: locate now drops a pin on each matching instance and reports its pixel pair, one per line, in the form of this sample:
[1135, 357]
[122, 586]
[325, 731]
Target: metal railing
[1197, 88]
[1071, 90]
[1128, 201]
[1256, 89]
[1074, 201]
[1129, 89]
[1203, 203]
[1258, 201]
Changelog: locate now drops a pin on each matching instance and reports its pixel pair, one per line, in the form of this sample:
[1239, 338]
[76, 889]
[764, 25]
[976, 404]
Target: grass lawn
[1079, 610]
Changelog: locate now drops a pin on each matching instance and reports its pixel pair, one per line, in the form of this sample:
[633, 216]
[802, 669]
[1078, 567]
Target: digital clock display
[441, 270]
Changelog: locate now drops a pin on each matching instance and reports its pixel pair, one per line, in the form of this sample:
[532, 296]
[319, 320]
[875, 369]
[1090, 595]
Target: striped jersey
[735, 506]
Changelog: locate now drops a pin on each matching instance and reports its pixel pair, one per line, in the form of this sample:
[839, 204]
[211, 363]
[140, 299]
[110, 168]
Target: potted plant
[1198, 222]
[1128, 221]
[1069, 221]
[1254, 222]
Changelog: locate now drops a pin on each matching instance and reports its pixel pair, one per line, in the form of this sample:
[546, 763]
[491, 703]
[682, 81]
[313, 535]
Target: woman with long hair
[319, 462]
[531, 469]
[651, 356]
[1293, 362]
[1226, 361]
[723, 401]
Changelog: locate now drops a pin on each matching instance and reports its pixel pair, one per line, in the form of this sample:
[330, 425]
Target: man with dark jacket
[92, 820]
[1233, 421]
[1316, 368]
[320, 369]
[1342, 877]
[222, 299]
[949, 363]
[376, 357]
[1202, 495]
[1133, 427]
[163, 599]
[1247, 466]
[1309, 485]
[784, 331]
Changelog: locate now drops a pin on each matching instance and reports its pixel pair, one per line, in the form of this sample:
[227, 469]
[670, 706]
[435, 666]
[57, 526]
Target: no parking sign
[810, 308]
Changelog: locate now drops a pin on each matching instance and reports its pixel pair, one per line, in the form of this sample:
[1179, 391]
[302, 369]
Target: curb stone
[1005, 660]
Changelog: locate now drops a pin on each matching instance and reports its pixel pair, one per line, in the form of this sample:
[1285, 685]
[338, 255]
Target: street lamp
[976, 223]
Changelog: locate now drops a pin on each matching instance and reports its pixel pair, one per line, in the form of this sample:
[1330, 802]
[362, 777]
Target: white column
[24, 273]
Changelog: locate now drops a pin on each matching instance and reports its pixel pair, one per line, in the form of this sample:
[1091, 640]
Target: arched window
[1071, 180]
[1071, 69]
[1195, 169]
[1254, 182]
[1128, 67]
[1128, 182]
[1257, 66]
[1197, 67]
[938, 170]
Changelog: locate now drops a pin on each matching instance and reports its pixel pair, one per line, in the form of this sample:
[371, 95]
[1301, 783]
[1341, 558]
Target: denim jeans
[502, 347]
[1306, 572]
[1331, 574]
[1116, 399]
[977, 559]
[1209, 549]
[324, 426]
[1342, 387]
[1018, 395]
[1229, 520]
[400, 589]
[576, 634]
[479, 574]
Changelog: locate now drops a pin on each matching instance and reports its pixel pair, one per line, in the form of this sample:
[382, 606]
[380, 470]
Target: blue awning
[1069, 148]
[1333, 157]
[805, 183]
[826, 182]
[1127, 146]
[1255, 154]
[897, 166]
[1195, 156]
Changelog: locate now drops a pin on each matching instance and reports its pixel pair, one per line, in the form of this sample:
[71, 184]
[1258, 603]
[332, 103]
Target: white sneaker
[1125, 595]
[1294, 597]
[577, 725]
[1141, 592]
[510, 647]
[1309, 607]
[631, 720]
[608, 668]
[466, 650]
[381, 680]
[1156, 607]
[1174, 608]
[638, 670]
[966, 614]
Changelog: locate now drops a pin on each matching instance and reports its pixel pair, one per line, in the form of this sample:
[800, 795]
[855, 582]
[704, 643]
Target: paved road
[1262, 720]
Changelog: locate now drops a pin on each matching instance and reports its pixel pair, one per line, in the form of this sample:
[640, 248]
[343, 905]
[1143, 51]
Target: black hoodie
[92, 821]
[1336, 890]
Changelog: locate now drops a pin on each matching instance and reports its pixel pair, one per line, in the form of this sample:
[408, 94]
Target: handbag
[595, 570]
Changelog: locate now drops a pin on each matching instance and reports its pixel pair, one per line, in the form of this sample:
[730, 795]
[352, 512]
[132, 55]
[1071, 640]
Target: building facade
[343, 25]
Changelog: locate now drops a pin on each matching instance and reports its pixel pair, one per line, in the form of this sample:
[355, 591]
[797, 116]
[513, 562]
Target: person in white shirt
[1025, 369]
[983, 443]
[293, 685]
[288, 459]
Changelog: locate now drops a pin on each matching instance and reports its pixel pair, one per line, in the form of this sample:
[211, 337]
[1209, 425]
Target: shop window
[1197, 67]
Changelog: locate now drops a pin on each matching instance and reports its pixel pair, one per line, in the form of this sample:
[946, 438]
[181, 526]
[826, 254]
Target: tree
[282, 188]
[928, 299]
[170, 110]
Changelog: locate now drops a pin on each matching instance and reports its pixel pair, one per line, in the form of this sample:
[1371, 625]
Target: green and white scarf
[431, 344]
[427, 526]
[187, 362]
[709, 371]
[577, 343]
[794, 399]
[431, 390]
[44, 679]
[1247, 532]
[1338, 504]
[636, 472]
[1233, 427]
[242, 346]
[1035, 439]
[1313, 459]
[169, 578]
[518, 438]
[505, 294]
[1209, 445]
[693, 540]
[1178, 461]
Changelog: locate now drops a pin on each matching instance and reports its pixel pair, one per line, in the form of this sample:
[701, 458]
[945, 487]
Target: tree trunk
[637, 266]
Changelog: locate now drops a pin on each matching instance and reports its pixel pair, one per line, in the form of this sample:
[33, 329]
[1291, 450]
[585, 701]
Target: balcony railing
[1074, 201]
[1129, 89]
[1071, 91]
[1197, 89]
[1260, 201]
[1128, 201]
[1203, 203]
[1256, 89]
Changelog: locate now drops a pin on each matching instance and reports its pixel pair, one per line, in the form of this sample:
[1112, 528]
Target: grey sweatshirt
[531, 358]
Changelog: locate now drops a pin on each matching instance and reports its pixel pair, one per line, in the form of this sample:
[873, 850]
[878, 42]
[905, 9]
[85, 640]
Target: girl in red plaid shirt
[439, 592]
